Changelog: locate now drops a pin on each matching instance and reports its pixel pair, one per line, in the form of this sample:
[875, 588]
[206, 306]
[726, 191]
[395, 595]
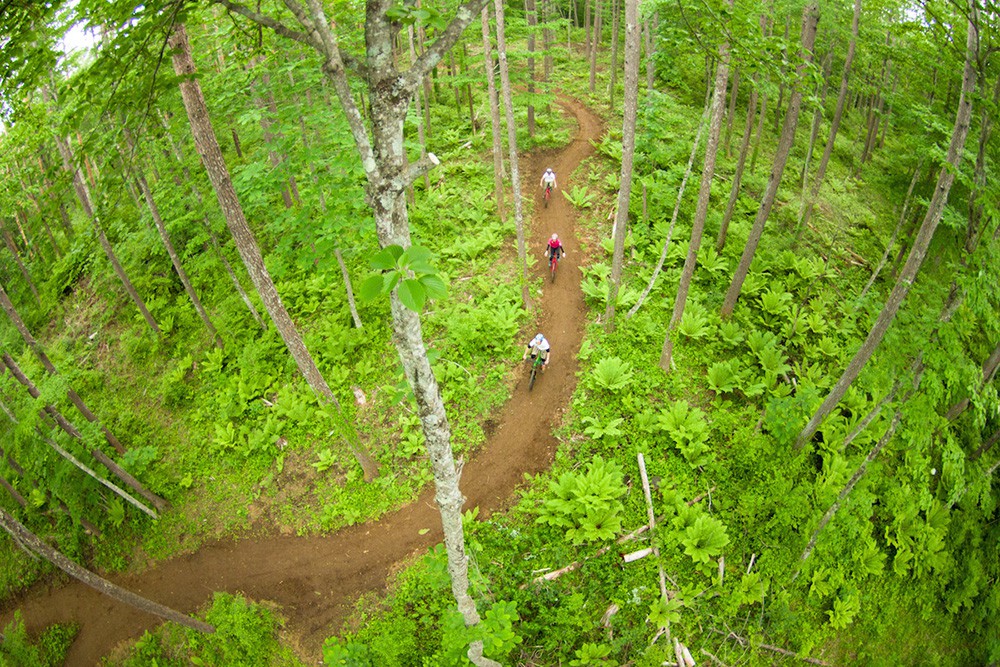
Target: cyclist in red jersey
[554, 248]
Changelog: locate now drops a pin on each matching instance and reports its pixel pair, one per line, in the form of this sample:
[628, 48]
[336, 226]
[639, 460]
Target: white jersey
[549, 177]
[542, 346]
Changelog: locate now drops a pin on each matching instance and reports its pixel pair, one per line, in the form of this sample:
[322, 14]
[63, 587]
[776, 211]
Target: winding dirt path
[317, 579]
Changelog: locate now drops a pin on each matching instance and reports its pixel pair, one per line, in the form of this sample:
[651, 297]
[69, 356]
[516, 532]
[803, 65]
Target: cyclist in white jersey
[538, 345]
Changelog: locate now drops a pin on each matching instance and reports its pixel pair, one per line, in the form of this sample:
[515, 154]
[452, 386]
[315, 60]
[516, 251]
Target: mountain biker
[548, 181]
[554, 249]
[538, 345]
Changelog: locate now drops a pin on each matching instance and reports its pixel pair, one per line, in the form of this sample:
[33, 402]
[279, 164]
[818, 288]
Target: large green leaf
[412, 294]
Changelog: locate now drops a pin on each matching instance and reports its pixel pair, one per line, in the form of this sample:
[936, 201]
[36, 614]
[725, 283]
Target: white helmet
[549, 170]
[539, 338]
[555, 237]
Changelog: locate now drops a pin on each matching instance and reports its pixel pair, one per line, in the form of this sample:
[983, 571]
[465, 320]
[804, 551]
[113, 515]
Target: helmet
[539, 338]
[549, 170]
[555, 237]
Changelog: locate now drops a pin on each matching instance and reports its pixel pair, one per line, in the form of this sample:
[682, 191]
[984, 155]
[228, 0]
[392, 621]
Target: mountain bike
[553, 263]
[548, 193]
[536, 363]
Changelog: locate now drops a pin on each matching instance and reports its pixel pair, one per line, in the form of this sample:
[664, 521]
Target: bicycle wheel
[531, 380]
[548, 192]
[552, 266]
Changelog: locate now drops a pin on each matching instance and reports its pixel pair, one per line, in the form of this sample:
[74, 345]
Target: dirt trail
[317, 579]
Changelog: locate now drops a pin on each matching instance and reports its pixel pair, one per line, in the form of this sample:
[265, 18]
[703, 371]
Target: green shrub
[587, 504]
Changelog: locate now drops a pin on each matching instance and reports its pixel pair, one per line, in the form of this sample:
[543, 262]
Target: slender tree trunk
[26, 537]
[13, 492]
[920, 244]
[218, 172]
[817, 119]
[50, 412]
[733, 96]
[83, 194]
[50, 368]
[531, 14]
[20, 264]
[498, 172]
[781, 79]
[175, 259]
[976, 204]
[630, 113]
[421, 134]
[734, 191]
[595, 44]
[512, 148]
[810, 17]
[673, 218]
[650, 64]
[718, 106]
[895, 232]
[615, 29]
[548, 39]
[989, 372]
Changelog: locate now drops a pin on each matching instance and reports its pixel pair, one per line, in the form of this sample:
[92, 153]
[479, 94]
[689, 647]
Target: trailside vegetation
[738, 506]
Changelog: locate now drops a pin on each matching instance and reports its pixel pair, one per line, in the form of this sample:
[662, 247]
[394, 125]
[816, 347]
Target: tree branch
[429, 59]
[417, 169]
[266, 21]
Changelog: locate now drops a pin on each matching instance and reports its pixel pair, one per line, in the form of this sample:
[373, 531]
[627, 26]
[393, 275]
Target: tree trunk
[595, 44]
[218, 173]
[515, 177]
[494, 116]
[68, 428]
[673, 218]
[206, 223]
[704, 194]
[50, 368]
[630, 113]
[920, 243]
[531, 15]
[810, 17]
[615, 29]
[734, 191]
[976, 205]
[895, 232]
[175, 259]
[817, 119]
[83, 194]
[733, 96]
[20, 264]
[989, 372]
[26, 537]
[548, 38]
[421, 134]
[650, 65]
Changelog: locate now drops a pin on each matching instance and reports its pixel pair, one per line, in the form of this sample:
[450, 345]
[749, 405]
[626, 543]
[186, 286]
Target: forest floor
[317, 579]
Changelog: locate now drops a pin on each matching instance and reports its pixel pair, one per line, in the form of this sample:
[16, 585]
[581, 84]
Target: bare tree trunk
[810, 17]
[630, 114]
[548, 39]
[83, 193]
[718, 106]
[989, 372]
[421, 134]
[498, 172]
[515, 177]
[50, 412]
[920, 243]
[615, 29]
[595, 44]
[20, 264]
[673, 218]
[50, 368]
[531, 14]
[175, 259]
[650, 65]
[895, 232]
[817, 119]
[208, 228]
[733, 96]
[218, 172]
[26, 537]
[350, 289]
[734, 191]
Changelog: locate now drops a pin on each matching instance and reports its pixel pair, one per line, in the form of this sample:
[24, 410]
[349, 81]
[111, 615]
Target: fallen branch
[777, 649]
[575, 565]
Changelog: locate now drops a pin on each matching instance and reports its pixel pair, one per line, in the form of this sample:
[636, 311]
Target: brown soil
[317, 579]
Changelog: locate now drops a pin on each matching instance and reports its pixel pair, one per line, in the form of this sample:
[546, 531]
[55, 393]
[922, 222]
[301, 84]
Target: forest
[270, 274]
